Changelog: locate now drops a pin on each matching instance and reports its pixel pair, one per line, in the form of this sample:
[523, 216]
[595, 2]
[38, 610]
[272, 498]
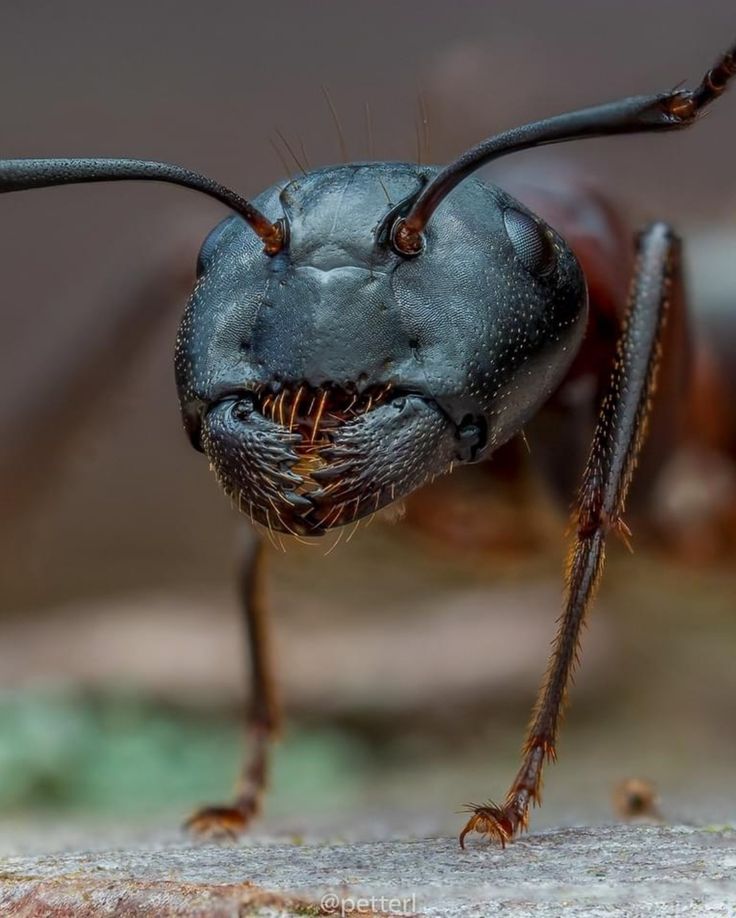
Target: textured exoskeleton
[459, 347]
[362, 329]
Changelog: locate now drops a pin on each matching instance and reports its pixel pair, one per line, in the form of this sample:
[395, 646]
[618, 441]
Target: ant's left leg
[618, 437]
[230, 820]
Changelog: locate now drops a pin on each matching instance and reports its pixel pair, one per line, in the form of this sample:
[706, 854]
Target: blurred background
[410, 657]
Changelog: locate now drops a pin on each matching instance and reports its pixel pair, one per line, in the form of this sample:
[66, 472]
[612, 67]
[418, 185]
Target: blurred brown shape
[59, 402]
[636, 799]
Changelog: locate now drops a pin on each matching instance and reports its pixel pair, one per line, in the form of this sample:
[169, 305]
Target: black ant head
[339, 374]
[384, 323]
[360, 330]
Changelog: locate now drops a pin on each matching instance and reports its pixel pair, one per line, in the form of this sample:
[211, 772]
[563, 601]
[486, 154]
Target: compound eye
[530, 241]
[210, 244]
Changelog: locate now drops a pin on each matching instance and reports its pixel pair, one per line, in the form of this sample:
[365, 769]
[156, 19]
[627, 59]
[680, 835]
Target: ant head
[356, 332]
[374, 329]
[341, 373]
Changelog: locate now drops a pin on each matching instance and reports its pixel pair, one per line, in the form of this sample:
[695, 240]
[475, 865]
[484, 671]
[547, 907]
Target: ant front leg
[232, 819]
[599, 509]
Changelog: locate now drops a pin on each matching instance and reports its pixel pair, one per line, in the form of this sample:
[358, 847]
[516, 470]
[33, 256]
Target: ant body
[359, 330]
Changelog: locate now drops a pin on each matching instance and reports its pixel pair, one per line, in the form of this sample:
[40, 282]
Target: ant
[359, 330]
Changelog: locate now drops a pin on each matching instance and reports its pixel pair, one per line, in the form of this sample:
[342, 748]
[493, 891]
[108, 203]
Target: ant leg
[232, 819]
[599, 509]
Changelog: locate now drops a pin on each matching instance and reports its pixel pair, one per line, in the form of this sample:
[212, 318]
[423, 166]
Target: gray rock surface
[632, 871]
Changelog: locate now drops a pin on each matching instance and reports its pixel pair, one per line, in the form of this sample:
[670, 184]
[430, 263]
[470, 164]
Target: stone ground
[632, 871]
